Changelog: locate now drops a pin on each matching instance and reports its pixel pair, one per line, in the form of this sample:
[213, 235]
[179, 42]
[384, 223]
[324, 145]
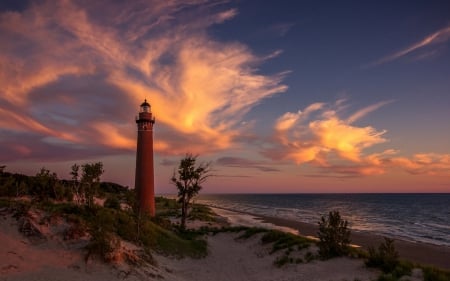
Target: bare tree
[188, 180]
[75, 173]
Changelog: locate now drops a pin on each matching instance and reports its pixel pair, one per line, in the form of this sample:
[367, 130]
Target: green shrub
[385, 258]
[334, 236]
[202, 213]
[250, 231]
[283, 240]
[435, 274]
[102, 244]
[112, 202]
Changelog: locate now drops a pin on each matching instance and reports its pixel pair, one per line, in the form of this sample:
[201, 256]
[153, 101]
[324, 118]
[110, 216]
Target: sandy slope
[53, 258]
[232, 259]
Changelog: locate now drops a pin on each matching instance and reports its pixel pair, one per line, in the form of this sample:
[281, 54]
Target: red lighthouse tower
[144, 181]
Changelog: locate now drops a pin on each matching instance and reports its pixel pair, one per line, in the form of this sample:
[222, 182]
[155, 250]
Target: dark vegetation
[188, 179]
[73, 200]
[386, 258]
[334, 241]
[334, 236]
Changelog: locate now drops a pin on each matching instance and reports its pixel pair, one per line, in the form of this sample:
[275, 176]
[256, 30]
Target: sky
[279, 96]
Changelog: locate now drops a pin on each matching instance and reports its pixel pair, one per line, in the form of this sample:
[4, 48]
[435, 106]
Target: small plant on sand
[435, 274]
[103, 242]
[385, 258]
[283, 260]
[282, 240]
[334, 236]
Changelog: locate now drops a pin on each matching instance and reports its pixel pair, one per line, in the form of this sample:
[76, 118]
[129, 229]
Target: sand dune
[50, 257]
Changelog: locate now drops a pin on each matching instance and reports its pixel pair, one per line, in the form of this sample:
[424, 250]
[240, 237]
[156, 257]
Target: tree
[334, 236]
[90, 180]
[188, 179]
[75, 173]
[45, 185]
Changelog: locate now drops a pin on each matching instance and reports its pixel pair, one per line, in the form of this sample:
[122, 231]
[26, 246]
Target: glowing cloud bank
[319, 136]
[74, 74]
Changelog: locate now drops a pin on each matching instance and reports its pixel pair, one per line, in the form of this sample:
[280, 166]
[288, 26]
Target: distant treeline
[45, 185]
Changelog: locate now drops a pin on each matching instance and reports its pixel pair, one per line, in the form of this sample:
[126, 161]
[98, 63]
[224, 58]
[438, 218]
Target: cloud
[320, 137]
[77, 76]
[432, 164]
[244, 163]
[303, 138]
[281, 29]
[168, 162]
[440, 36]
[363, 112]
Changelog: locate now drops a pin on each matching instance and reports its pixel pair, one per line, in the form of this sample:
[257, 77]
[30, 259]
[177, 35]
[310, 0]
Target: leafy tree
[14, 184]
[76, 187]
[90, 180]
[188, 180]
[334, 236]
[45, 185]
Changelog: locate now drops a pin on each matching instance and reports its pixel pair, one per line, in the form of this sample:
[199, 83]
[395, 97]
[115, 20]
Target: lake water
[412, 217]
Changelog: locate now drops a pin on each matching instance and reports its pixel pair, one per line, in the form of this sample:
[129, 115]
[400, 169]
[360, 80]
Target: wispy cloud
[320, 136]
[281, 29]
[363, 112]
[77, 75]
[239, 162]
[439, 36]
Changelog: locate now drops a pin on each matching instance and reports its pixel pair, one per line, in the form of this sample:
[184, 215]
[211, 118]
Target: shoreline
[418, 252]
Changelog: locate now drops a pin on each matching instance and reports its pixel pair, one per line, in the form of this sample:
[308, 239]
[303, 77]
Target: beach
[229, 257]
[423, 253]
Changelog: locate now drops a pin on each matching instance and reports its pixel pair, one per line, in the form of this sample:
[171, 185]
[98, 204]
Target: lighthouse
[144, 181]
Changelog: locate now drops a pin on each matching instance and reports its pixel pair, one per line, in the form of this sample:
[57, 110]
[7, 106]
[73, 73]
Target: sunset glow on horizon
[283, 96]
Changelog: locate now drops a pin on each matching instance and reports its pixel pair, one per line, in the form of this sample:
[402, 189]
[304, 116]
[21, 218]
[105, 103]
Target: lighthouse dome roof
[145, 103]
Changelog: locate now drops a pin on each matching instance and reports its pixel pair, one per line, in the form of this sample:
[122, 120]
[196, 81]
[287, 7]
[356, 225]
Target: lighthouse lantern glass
[145, 108]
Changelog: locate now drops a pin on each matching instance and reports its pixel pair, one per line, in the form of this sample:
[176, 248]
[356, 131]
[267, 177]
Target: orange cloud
[338, 147]
[442, 35]
[307, 140]
[426, 163]
[347, 141]
[206, 93]
[200, 89]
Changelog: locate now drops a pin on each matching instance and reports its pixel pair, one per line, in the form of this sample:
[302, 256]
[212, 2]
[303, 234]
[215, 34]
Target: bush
[435, 274]
[334, 236]
[112, 202]
[102, 244]
[385, 258]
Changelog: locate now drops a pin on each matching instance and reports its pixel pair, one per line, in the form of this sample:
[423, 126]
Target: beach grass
[107, 224]
[431, 273]
[166, 207]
